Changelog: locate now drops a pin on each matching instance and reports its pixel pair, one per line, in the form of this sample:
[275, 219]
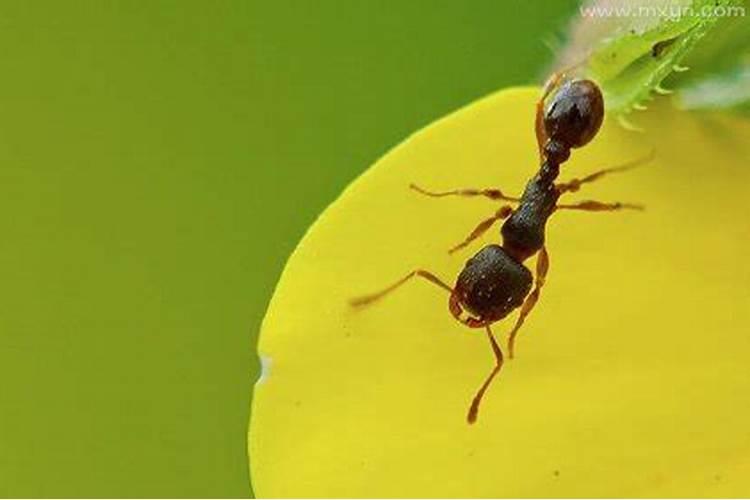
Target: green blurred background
[160, 160]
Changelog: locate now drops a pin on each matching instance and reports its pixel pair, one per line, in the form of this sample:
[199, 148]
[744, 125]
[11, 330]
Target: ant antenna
[474, 408]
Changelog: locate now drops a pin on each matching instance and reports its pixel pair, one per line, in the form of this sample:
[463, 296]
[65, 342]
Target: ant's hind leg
[483, 226]
[420, 273]
[541, 133]
[598, 206]
[552, 82]
[542, 266]
[474, 408]
[492, 194]
[574, 185]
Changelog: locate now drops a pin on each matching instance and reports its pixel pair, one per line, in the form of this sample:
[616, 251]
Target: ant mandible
[495, 282]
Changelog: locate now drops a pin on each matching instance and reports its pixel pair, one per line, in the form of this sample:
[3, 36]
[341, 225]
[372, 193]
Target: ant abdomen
[574, 114]
[492, 285]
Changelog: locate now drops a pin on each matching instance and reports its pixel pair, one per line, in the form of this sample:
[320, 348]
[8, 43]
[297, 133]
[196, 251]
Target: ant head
[574, 114]
[491, 285]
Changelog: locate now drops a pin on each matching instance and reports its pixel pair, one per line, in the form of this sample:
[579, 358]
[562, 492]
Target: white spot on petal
[265, 369]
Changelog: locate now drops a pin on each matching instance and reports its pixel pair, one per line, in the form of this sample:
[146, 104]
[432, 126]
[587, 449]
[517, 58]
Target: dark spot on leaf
[659, 47]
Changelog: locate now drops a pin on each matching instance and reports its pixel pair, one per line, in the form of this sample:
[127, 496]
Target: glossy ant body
[495, 282]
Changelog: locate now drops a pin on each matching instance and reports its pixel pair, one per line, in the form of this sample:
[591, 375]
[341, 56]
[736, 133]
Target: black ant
[495, 282]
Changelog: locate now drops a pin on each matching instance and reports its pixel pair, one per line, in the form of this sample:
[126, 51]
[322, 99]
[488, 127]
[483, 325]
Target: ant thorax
[524, 231]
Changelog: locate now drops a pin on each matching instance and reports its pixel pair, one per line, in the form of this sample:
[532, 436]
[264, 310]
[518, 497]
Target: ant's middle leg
[574, 185]
[502, 213]
[492, 194]
[542, 266]
[598, 206]
[419, 273]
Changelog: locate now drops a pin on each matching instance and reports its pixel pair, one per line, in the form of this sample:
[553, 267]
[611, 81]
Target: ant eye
[575, 113]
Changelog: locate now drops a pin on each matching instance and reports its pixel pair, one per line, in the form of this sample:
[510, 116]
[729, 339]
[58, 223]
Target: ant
[495, 281]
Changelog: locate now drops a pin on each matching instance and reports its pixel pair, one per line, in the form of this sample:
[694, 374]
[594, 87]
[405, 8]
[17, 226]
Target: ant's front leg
[502, 213]
[492, 194]
[542, 266]
[366, 300]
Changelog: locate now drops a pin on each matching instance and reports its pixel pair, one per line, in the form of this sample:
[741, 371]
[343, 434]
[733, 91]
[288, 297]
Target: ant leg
[474, 408]
[552, 82]
[555, 79]
[542, 266]
[598, 206]
[421, 273]
[483, 226]
[492, 194]
[541, 133]
[575, 184]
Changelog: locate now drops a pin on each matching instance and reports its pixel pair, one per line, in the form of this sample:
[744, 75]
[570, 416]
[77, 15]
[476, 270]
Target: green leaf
[728, 90]
[631, 47]
[721, 70]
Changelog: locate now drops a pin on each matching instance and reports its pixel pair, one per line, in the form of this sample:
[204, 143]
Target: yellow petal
[631, 377]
